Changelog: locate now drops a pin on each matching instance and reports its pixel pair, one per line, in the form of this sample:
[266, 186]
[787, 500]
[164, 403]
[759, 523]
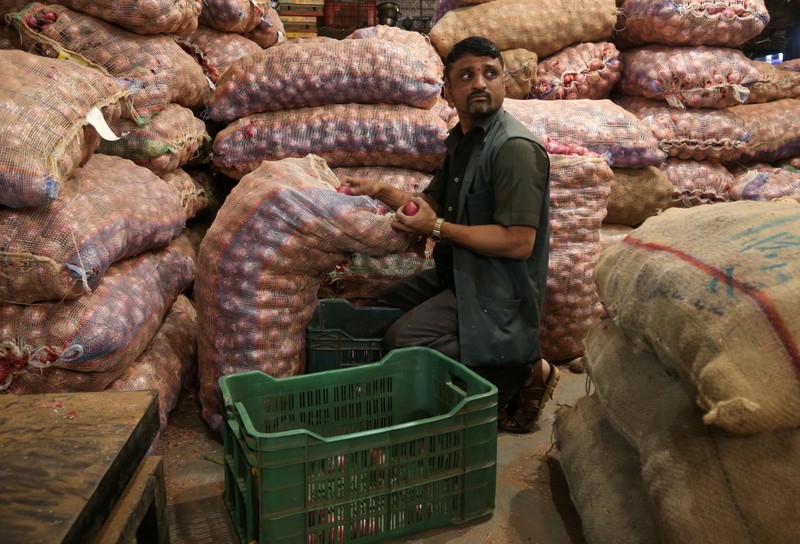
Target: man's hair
[474, 45]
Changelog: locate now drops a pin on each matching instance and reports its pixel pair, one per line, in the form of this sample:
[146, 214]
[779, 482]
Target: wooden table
[72, 469]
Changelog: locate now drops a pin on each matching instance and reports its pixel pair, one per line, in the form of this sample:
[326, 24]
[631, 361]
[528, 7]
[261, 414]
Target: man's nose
[478, 82]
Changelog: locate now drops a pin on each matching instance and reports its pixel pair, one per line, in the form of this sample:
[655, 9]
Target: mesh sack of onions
[367, 71]
[85, 343]
[279, 231]
[579, 190]
[215, 51]
[169, 140]
[269, 31]
[168, 362]
[109, 210]
[791, 65]
[446, 113]
[774, 129]
[773, 84]
[157, 64]
[520, 70]
[44, 131]
[151, 17]
[237, 16]
[405, 37]
[586, 70]
[764, 182]
[196, 190]
[698, 77]
[709, 290]
[727, 23]
[697, 182]
[636, 194]
[343, 134]
[362, 276]
[598, 125]
[541, 26]
[691, 133]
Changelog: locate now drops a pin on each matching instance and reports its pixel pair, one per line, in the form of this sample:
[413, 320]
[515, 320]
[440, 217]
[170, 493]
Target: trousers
[431, 320]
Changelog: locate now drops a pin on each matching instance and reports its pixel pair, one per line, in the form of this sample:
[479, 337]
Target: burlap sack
[599, 125]
[697, 77]
[162, 70]
[636, 194]
[269, 31]
[44, 132]
[168, 362]
[367, 71]
[691, 133]
[774, 129]
[727, 23]
[587, 70]
[612, 234]
[237, 16]
[697, 182]
[261, 263]
[604, 477]
[713, 290]
[169, 140]
[153, 17]
[705, 484]
[111, 209]
[342, 134]
[764, 182]
[774, 84]
[579, 189]
[215, 51]
[86, 343]
[197, 190]
[541, 26]
[520, 67]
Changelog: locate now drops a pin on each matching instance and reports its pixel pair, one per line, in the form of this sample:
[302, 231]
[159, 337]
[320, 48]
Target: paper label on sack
[96, 119]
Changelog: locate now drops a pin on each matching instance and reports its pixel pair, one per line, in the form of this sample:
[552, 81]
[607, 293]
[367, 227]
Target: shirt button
[456, 180]
[450, 209]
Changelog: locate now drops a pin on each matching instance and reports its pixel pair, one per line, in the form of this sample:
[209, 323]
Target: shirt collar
[456, 134]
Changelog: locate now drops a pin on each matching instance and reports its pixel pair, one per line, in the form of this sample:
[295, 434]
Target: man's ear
[447, 97]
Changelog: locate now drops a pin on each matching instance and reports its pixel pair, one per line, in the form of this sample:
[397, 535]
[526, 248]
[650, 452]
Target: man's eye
[465, 76]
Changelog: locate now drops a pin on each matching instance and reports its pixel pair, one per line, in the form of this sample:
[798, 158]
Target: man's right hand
[362, 186]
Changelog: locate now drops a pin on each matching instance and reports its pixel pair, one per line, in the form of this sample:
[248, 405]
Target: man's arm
[391, 196]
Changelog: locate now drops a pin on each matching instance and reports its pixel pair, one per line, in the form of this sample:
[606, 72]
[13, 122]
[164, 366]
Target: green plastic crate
[359, 454]
[342, 335]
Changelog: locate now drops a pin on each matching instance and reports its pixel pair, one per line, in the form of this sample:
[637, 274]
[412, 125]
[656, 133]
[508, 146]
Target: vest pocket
[480, 207]
[501, 312]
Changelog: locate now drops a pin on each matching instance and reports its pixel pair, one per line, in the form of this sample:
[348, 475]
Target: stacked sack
[709, 105]
[89, 243]
[696, 375]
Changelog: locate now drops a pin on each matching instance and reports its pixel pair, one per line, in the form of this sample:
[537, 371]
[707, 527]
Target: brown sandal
[527, 405]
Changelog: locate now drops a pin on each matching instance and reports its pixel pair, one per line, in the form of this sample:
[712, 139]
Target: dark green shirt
[519, 177]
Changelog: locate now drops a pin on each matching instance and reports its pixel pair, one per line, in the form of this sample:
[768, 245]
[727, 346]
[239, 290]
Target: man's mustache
[475, 94]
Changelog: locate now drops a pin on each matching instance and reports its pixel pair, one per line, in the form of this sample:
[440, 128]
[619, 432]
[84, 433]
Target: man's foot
[525, 408]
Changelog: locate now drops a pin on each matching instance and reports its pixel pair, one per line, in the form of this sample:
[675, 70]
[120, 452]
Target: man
[487, 208]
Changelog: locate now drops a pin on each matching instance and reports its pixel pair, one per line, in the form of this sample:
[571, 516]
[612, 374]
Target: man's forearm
[515, 242]
[396, 198]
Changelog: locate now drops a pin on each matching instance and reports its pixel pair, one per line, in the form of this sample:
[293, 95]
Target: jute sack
[39, 92]
[169, 140]
[260, 266]
[604, 476]
[579, 189]
[520, 67]
[705, 484]
[342, 134]
[111, 209]
[636, 194]
[168, 362]
[691, 133]
[612, 234]
[714, 291]
[85, 343]
[163, 72]
[541, 26]
[366, 71]
[153, 17]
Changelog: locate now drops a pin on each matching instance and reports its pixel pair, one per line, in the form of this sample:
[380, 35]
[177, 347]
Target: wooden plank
[140, 514]
[65, 459]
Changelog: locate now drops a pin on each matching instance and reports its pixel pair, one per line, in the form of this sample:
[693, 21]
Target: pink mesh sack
[269, 31]
[774, 129]
[238, 16]
[44, 129]
[281, 228]
[343, 134]
[764, 182]
[697, 182]
[152, 17]
[215, 51]
[773, 84]
[85, 343]
[586, 70]
[109, 210]
[196, 189]
[405, 37]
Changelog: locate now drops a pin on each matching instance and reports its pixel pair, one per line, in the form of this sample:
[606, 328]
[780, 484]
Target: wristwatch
[436, 235]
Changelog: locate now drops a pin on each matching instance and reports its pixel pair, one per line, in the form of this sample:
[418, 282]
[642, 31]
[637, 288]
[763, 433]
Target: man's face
[475, 86]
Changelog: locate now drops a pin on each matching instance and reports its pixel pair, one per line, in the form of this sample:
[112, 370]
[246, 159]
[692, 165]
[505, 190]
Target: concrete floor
[532, 503]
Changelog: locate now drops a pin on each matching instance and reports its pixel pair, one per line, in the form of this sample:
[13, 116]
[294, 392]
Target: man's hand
[362, 186]
[421, 223]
